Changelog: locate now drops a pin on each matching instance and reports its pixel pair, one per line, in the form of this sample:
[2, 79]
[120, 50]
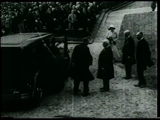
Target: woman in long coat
[105, 66]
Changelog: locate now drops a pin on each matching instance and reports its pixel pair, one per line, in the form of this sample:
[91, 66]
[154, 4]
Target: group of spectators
[48, 16]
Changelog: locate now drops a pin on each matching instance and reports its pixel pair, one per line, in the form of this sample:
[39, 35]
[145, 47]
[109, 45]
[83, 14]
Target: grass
[147, 23]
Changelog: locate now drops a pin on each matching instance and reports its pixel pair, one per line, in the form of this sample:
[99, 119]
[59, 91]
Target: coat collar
[141, 39]
[107, 47]
[129, 36]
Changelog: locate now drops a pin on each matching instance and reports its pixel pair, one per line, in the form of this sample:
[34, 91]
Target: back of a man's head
[105, 43]
[127, 33]
[139, 35]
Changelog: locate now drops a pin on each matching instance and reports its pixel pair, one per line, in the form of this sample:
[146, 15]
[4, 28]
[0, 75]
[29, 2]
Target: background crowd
[47, 16]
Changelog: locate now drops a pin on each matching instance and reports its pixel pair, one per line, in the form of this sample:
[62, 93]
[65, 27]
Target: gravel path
[124, 100]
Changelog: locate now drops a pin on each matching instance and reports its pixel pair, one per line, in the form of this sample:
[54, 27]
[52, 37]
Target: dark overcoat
[128, 51]
[82, 59]
[143, 54]
[105, 61]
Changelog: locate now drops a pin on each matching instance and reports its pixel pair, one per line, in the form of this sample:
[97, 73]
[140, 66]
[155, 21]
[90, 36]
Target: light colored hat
[111, 26]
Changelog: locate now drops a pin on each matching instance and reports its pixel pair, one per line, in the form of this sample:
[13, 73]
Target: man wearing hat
[81, 60]
[143, 57]
[112, 37]
[105, 66]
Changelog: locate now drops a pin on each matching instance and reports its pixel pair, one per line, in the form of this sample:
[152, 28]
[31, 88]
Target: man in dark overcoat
[143, 58]
[81, 60]
[128, 51]
[105, 66]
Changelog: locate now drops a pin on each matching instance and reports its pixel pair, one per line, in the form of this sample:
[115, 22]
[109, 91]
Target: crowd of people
[47, 16]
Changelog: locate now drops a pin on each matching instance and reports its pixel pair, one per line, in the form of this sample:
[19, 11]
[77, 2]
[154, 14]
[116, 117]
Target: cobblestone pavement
[123, 100]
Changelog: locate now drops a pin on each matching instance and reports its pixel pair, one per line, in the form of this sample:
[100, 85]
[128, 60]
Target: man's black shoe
[85, 94]
[76, 93]
[142, 86]
[101, 88]
[137, 85]
[104, 90]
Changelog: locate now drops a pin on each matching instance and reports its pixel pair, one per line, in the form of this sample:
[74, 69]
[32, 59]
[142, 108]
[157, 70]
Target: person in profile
[143, 58]
[81, 60]
[105, 66]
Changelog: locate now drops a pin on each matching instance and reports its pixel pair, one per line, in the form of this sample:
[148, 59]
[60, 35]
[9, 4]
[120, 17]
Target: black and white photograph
[82, 59]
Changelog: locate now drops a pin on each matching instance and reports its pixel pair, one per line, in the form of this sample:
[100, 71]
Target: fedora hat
[111, 26]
